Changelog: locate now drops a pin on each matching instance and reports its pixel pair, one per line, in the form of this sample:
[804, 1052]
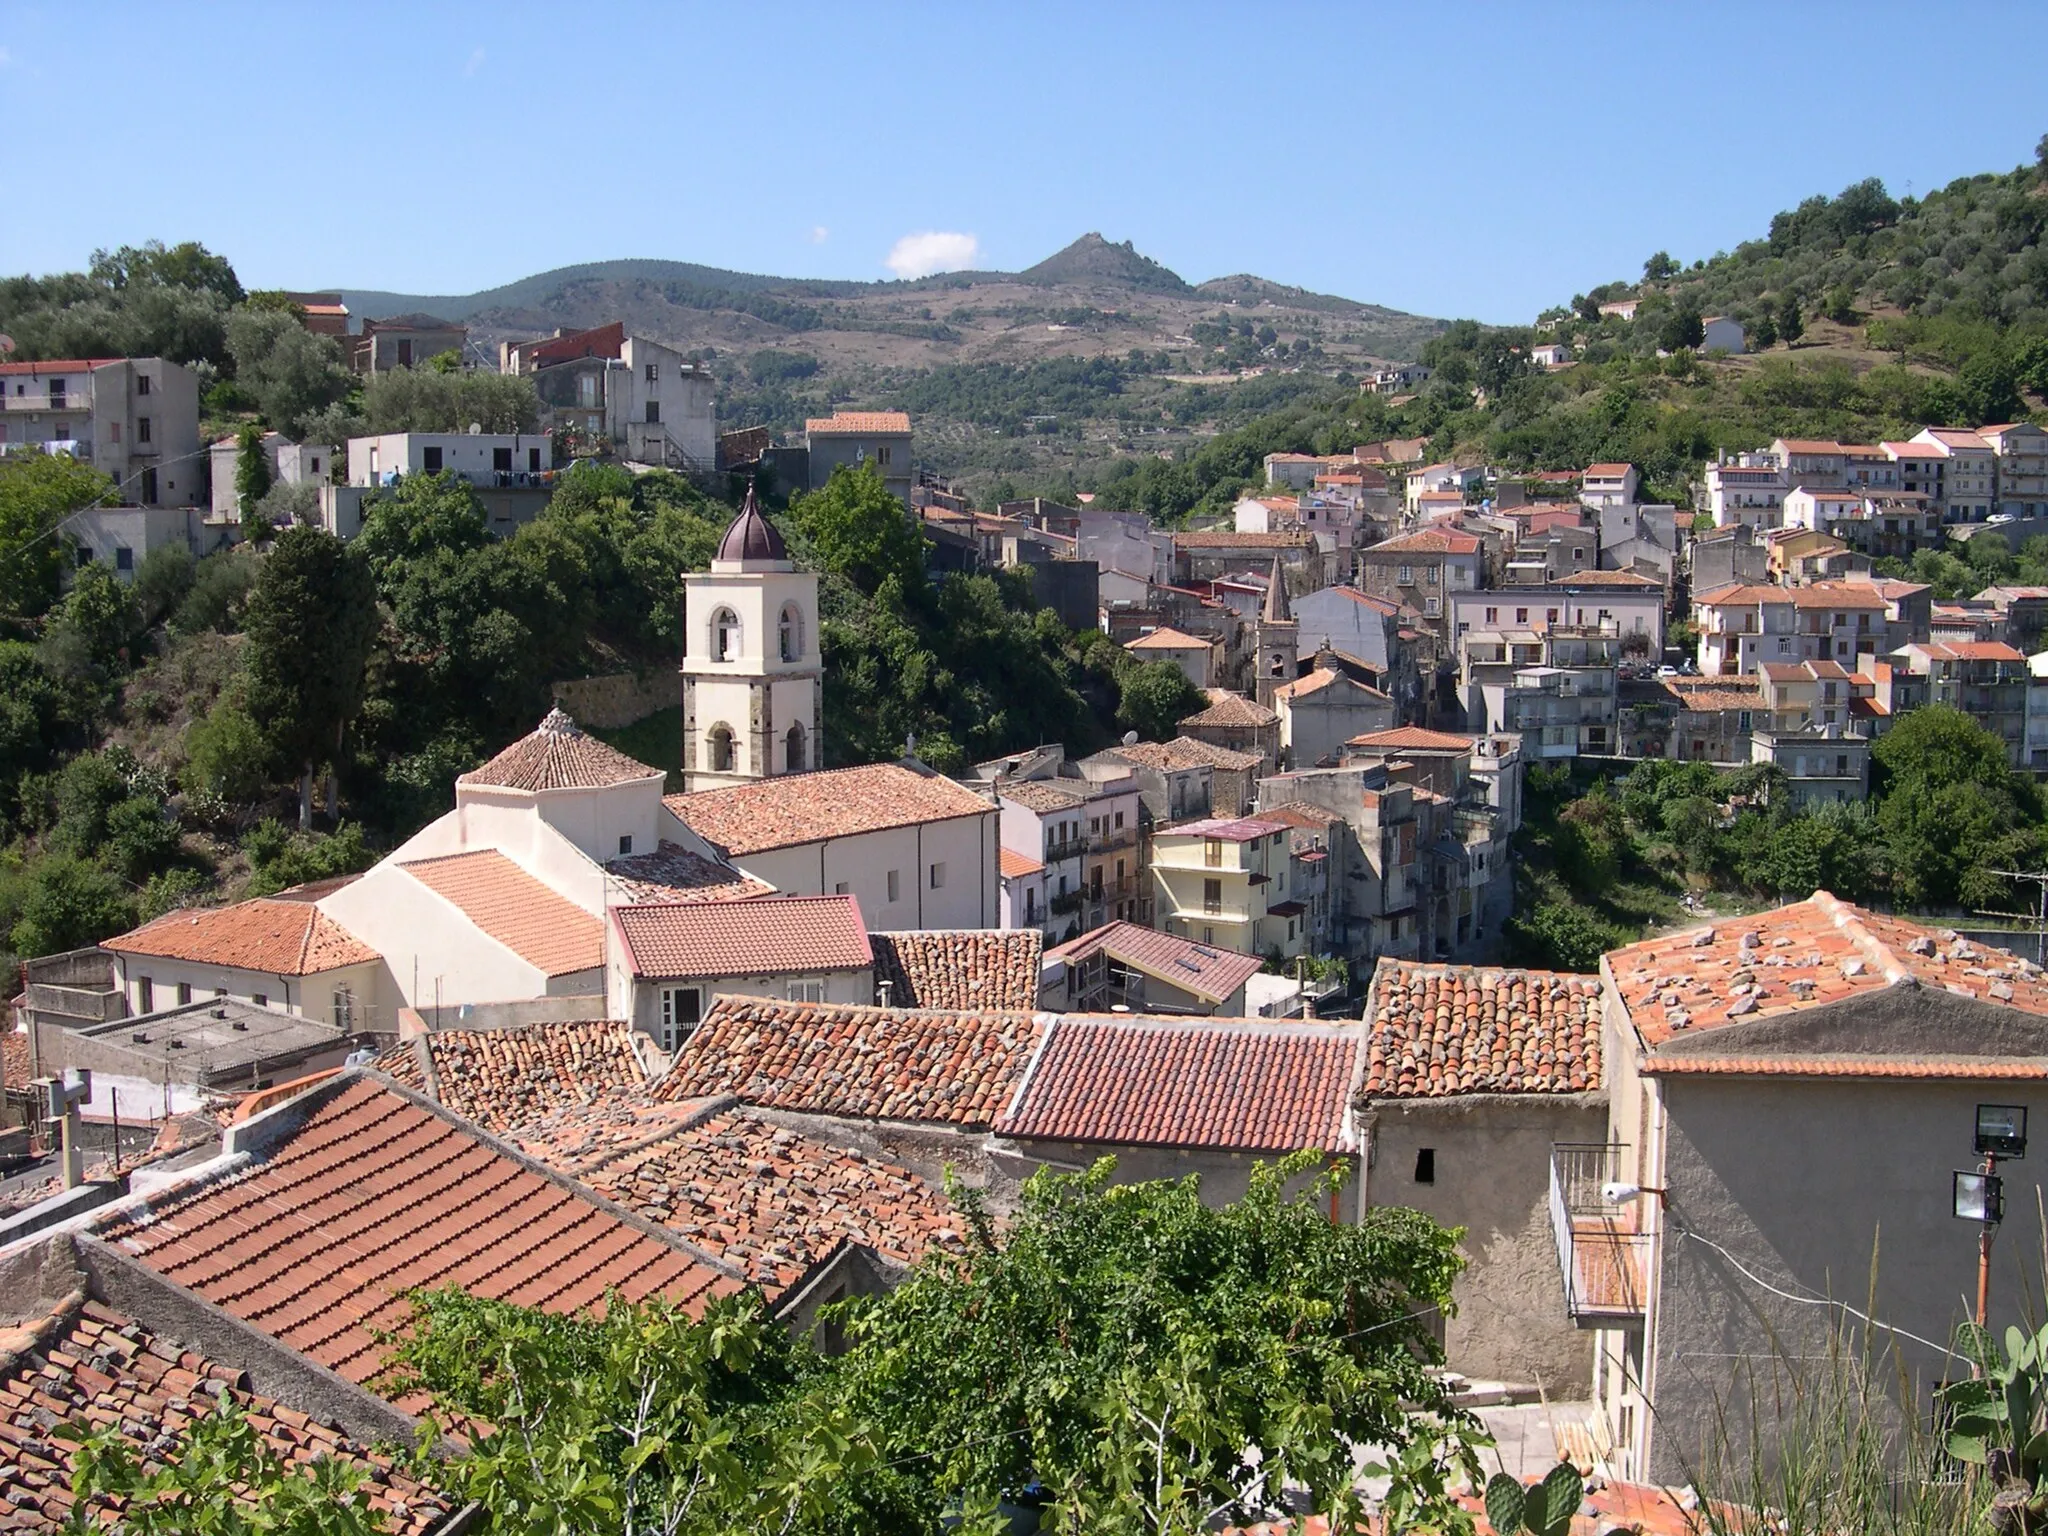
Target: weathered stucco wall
[1491, 1157]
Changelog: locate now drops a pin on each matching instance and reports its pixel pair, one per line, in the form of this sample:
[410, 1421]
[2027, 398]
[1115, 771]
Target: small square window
[938, 875]
[625, 844]
[124, 558]
[839, 889]
[260, 999]
[1425, 1165]
[142, 384]
[895, 885]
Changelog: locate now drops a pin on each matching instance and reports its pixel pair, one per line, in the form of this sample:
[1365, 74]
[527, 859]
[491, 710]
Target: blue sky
[1447, 159]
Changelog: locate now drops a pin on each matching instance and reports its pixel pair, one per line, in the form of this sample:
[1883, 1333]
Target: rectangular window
[895, 886]
[653, 413]
[260, 999]
[113, 432]
[501, 458]
[124, 558]
[184, 993]
[882, 455]
[1425, 1165]
[682, 1009]
[145, 995]
[532, 460]
[430, 460]
[405, 354]
[142, 384]
[344, 1007]
[1493, 615]
[142, 429]
[1212, 851]
[625, 845]
[1212, 896]
[937, 875]
[1521, 615]
[802, 991]
[654, 373]
[1405, 576]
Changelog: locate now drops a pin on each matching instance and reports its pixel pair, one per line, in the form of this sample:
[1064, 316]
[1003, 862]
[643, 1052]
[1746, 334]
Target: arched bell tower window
[720, 741]
[793, 749]
[725, 635]
[792, 632]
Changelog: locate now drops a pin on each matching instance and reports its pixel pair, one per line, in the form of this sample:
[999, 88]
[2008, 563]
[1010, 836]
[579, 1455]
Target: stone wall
[620, 698]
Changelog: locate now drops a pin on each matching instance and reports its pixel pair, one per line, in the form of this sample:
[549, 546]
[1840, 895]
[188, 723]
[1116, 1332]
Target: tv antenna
[2038, 917]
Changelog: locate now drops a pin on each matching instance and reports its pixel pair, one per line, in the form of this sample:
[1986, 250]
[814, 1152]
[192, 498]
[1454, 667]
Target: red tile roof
[869, 1063]
[769, 1200]
[1167, 638]
[320, 1238]
[1969, 650]
[1229, 709]
[281, 937]
[1435, 1030]
[546, 930]
[57, 365]
[1186, 752]
[500, 1078]
[558, 755]
[674, 873]
[971, 968]
[1428, 541]
[1573, 579]
[599, 341]
[1225, 539]
[1821, 594]
[773, 936]
[1607, 471]
[1236, 1084]
[85, 1364]
[1016, 865]
[1412, 738]
[1821, 950]
[809, 807]
[1226, 829]
[857, 423]
[1210, 973]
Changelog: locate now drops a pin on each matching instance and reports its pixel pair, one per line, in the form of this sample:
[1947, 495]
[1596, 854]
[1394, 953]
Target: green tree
[91, 632]
[252, 482]
[424, 400]
[1154, 697]
[38, 491]
[1660, 268]
[163, 579]
[226, 757]
[311, 620]
[859, 530]
[67, 903]
[1951, 810]
[293, 374]
[219, 594]
[1560, 936]
[1790, 324]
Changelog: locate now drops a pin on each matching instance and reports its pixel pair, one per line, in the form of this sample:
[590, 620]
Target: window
[405, 354]
[344, 1007]
[124, 558]
[315, 465]
[184, 993]
[142, 429]
[501, 459]
[793, 760]
[1521, 615]
[532, 461]
[1433, 574]
[260, 999]
[625, 845]
[938, 875]
[1432, 607]
[145, 995]
[113, 432]
[806, 991]
[1208, 935]
[220, 992]
[1493, 615]
[653, 413]
[790, 632]
[1405, 576]
[1119, 821]
[653, 376]
[142, 384]
[882, 453]
[839, 889]
[719, 741]
[895, 886]
[725, 635]
[430, 460]
[1212, 851]
[1212, 896]
[682, 1009]
[1425, 1165]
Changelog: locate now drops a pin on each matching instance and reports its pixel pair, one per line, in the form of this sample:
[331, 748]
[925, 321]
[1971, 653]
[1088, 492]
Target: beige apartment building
[1224, 881]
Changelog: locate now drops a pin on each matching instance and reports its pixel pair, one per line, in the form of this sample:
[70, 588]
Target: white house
[484, 459]
[290, 464]
[652, 402]
[1723, 335]
[1550, 354]
[135, 419]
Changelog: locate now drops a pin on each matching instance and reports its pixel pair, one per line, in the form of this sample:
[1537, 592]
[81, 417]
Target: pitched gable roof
[280, 937]
[1227, 709]
[546, 930]
[974, 968]
[857, 423]
[500, 1078]
[1167, 638]
[869, 1063]
[1210, 973]
[558, 755]
[1237, 1084]
[371, 1195]
[774, 936]
[799, 808]
[673, 873]
[1435, 1030]
[1412, 738]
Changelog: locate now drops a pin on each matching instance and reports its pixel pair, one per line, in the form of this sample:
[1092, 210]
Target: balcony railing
[1072, 901]
[1604, 1260]
[1071, 848]
[1106, 842]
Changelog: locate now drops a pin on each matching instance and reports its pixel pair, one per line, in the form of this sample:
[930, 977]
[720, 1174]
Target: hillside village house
[1237, 723]
[1323, 709]
[856, 438]
[1021, 901]
[2022, 450]
[135, 419]
[1083, 833]
[1223, 881]
[1723, 335]
[405, 341]
[1199, 658]
[653, 404]
[1141, 970]
[1633, 604]
[1423, 570]
[1609, 485]
[1969, 475]
[1894, 525]
[290, 464]
[1745, 624]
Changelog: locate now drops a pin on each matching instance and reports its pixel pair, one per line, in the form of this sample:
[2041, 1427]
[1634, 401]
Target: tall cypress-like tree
[252, 480]
[311, 620]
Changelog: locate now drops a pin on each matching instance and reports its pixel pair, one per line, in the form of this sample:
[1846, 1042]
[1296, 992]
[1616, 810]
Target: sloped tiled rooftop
[1238, 1085]
[968, 968]
[1207, 971]
[1227, 709]
[546, 930]
[674, 873]
[869, 1063]
[559, 754]
[278, 937]
[500, 1078]
[318, 1241]
[772, 936]
[808, 807]
[1436, 1030]
[85, 1364]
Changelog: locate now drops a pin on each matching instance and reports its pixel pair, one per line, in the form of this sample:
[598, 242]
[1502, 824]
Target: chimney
[885, 988]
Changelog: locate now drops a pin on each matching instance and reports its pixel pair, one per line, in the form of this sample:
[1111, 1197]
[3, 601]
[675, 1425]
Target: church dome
[751, 536]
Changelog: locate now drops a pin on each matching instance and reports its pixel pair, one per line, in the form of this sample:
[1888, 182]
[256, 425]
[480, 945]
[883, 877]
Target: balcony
[1109, 842]
[1071, 848]
[1603, 1258]
[1071, 901]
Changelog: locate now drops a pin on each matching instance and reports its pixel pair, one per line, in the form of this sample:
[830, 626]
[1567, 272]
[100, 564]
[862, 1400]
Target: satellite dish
[6, 345]
[476, 429]
[1130, 738]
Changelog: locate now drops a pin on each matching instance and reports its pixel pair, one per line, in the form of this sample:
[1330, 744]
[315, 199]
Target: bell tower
[753, 677]
[1279, 639]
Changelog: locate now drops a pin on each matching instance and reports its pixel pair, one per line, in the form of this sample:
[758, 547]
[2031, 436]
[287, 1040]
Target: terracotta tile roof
[1187, 752]
[1607, 471]
[1167, 638]
[1811, 952]
[674, 873]
[808, 807]
[1228, 829]
[1912, 450]
[278, 936]
[1810, 445]
[1449, 1029]
[1969, 650]
[56, 365]
[14, 1059]
[1235, 1084]
[1603, 579]
[318, 1240]
[1714, 698]
[1428, 541]
[1209, 972]
[546, 930]
[500, 1078]
[1412, 738]
[1231, 709]
[1821, 594]
[558, 755]
[769, 937]
[870, 1063]
[1225, 539]
[1016, 865]
[1958, 437]
[972, 968]
[854, 423]
[770, 1201]
[1051, 796]
[85, 1364]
